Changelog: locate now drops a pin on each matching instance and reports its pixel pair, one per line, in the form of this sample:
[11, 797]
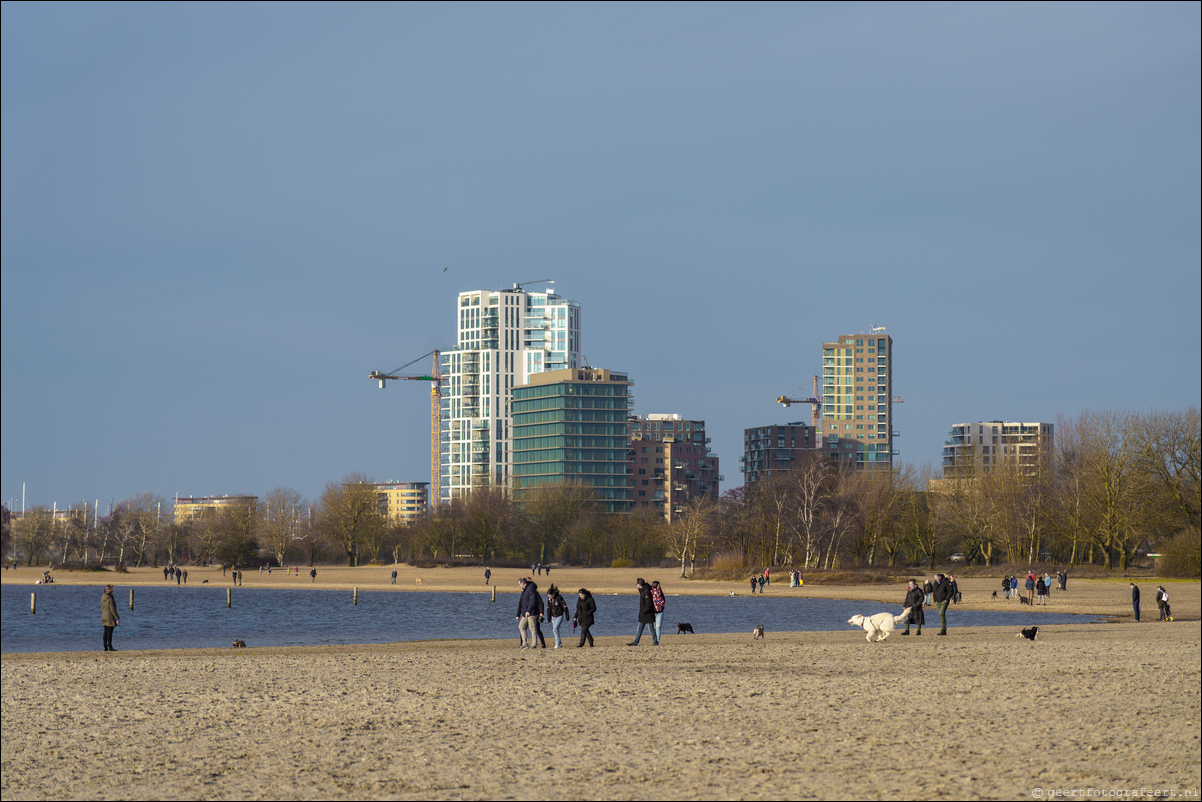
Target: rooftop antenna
[875, 329]
[521, 284]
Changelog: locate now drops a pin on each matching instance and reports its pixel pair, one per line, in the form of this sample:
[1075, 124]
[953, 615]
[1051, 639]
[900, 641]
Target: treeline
[1117, 484]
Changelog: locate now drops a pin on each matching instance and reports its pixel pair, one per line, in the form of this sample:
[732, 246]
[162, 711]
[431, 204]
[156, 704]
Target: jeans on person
[659, 622]
[639, 634]
[556, 621]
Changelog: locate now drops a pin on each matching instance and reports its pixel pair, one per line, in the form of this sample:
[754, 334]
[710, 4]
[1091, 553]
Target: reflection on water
[173, 617]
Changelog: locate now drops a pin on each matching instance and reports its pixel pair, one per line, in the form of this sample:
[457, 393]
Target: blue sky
[217, 219]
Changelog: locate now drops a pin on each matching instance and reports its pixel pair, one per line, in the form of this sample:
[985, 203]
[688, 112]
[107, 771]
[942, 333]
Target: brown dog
[239, 644]
[758, 633]
[682, 629]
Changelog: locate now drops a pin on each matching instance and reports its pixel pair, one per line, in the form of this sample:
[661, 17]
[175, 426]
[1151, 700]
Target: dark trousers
[108, 639]
[586, 635]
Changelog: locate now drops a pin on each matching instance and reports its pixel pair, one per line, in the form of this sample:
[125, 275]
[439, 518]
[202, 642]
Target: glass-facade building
[571, 426]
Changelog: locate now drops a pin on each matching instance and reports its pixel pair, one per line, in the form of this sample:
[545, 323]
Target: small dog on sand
[682, 629]
[239, 644]
[1029, 633]
[1023, 600]
[758, 633]
[419, 580]
[994, 594]
[205, 582]
[880, 625]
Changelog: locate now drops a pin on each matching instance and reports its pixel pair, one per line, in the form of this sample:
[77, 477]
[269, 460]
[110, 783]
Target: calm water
[172, 617]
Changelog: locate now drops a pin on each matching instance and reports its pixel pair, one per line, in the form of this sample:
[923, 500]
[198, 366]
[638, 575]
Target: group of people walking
[533, 609]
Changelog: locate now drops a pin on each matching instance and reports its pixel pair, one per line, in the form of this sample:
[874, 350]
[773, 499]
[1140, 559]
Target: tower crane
[436, 379]
[815, 402]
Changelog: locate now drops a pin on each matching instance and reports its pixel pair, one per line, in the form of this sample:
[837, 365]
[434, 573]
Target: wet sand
[978, 714]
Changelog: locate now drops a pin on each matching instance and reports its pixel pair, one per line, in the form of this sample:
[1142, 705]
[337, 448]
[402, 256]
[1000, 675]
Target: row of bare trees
[1116, 482]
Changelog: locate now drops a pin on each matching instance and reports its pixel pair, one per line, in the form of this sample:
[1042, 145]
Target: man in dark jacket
[942, 594]
[528, 613]
[1135, 599]
[586, 609]
[914, 597]
[646, 612]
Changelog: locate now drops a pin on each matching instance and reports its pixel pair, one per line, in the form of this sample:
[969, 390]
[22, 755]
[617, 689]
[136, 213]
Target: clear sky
[218, 218]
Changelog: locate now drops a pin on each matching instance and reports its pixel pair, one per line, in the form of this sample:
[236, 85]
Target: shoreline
[1106, 598]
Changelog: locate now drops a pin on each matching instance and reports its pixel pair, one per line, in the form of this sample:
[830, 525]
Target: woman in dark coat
[586, 609]
[108, 617]
[914, 597]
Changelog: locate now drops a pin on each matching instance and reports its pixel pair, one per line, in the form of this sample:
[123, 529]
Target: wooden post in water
[355, 597]
[131, 600]
[229, 597]
[494, 594]
[33, 604]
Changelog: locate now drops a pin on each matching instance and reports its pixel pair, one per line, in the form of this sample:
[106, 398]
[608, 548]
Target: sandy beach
[979, 714]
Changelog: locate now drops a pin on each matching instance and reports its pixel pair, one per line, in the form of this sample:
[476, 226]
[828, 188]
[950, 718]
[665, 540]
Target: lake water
[173, 617]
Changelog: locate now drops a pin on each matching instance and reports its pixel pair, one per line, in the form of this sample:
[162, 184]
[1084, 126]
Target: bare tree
[1116, 491]
[281, 513]
[347, 511]
[682, 538]
[32, 533]
[549, 511]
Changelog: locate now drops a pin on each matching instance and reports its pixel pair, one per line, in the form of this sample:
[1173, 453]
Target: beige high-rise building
[857, 397]
[982, 445]
[402, 502]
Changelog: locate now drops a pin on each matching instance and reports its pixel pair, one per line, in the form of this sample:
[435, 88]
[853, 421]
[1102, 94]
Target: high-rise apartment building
[982, 445]
[670, 464]
[570, 426]
[857, 397]
[503, 338]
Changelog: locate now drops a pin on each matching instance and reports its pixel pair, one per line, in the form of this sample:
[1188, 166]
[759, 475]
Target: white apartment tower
[504, 337]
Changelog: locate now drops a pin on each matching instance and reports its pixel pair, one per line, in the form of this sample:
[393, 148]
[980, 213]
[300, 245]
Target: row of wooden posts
[229, 598]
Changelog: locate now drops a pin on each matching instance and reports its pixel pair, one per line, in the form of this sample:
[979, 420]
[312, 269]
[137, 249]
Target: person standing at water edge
[487, 575]
[646, 612]
[108, 616]
[394, 576]
[528, 613]
[586, 610]
[312, 574]
[942, 594]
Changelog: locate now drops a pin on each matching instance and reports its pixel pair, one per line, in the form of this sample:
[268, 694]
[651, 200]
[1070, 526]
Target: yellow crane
[815, 402]
[436, 379]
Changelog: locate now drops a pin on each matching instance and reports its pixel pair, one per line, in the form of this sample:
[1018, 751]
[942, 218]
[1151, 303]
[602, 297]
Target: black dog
[682, 629]
[995, 594]
[1023, 600]
[1029, 633]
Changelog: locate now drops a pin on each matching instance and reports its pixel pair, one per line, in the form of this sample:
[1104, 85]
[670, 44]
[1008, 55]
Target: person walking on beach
[184, 573]
[753, 584]
[646, 612]
[586, 611]
[312, 574]
[487, 575]
[108, 616]
[942, 594]
[1135, 600]
[557, 609]
[914, 597]
[1005, 587]
[762, 583]
[660, 604]
[1042, 586]
[394, 576]
[1030, 587]
[1162, 602]
[538, 619]
[527, 613]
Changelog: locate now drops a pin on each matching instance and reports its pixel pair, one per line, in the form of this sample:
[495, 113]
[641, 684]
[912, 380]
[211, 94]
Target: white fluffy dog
[880, 625]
